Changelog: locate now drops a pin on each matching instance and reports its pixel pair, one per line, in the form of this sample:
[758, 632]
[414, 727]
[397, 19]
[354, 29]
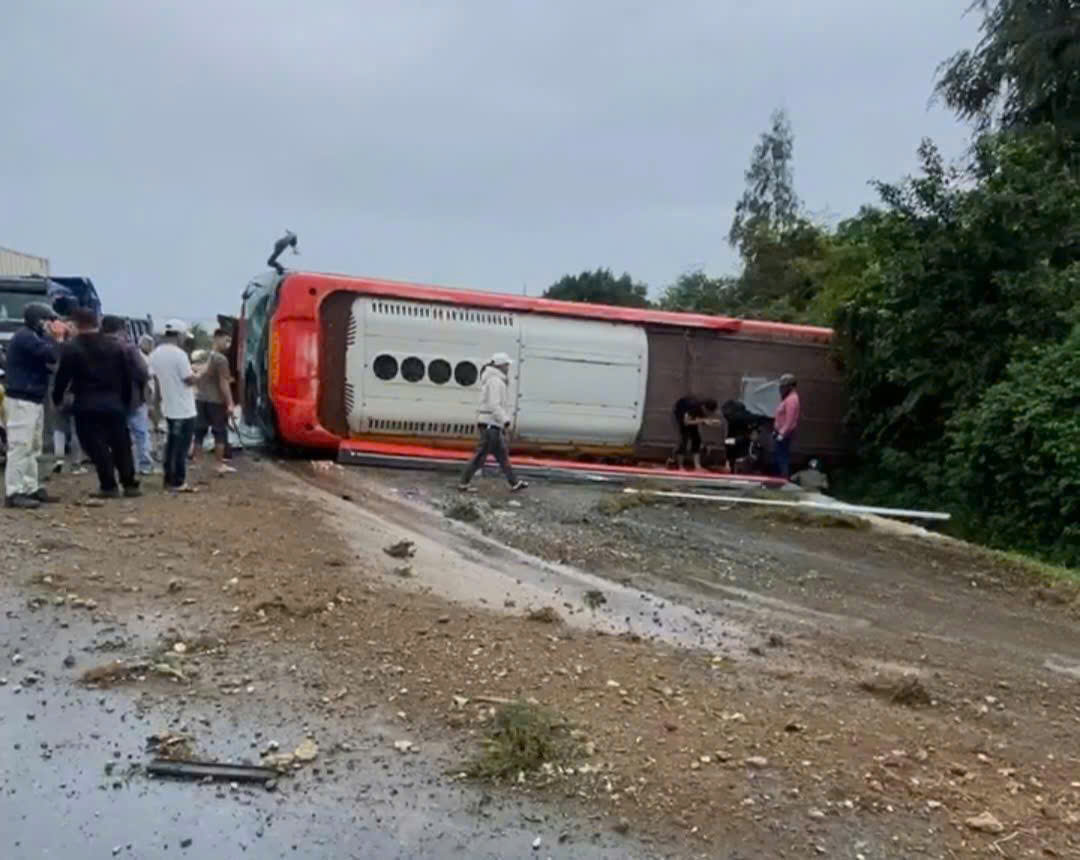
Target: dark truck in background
[16, 292]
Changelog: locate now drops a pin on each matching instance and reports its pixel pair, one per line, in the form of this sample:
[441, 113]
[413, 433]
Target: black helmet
[36, 314]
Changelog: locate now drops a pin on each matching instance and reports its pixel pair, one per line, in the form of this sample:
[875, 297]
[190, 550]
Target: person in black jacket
[30, 356]
[690, 413]
[99, 372]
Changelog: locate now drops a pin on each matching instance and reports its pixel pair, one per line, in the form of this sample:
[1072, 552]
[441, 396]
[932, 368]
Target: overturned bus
[323, 359]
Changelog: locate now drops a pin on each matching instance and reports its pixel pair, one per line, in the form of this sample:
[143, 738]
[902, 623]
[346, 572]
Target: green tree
[968, 272]
[696, 292]
[200, 337]
[600, 287]
[1014, 459]
[769, 203]
[1025, 69]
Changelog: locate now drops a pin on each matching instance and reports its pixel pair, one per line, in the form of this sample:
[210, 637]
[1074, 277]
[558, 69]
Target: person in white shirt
[493, 423]
[175, 384]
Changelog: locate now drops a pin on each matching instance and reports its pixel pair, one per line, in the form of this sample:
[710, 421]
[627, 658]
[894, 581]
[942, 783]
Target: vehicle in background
[16, 263]
[18, 292]
[327, 358]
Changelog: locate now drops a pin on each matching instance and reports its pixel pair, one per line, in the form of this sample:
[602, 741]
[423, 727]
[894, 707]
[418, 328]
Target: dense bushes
[1014, 460]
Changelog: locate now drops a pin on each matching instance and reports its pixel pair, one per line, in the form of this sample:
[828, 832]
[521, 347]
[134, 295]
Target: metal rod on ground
[830, 507]
[214, 770]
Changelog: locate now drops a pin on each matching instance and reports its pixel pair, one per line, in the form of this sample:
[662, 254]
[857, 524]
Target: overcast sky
[161, 147]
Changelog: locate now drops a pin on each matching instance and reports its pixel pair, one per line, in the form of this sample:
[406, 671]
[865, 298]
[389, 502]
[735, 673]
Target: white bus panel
[581, 382]
[412, 368]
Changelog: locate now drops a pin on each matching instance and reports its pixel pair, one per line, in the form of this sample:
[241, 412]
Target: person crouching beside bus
[690, 413]
[493, 422]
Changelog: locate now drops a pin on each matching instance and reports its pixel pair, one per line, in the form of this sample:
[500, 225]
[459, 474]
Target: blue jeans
[782, 452]
[139, 425]
[177, 442]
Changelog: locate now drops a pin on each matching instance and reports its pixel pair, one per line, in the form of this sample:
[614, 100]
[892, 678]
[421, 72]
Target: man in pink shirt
[785, 423]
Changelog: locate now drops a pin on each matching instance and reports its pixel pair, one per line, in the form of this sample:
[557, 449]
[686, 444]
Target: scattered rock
[908, 690]
[180, 648]
[464, 511]
[401, 549]
[985, 823]
[775, 640]
[69, 662]
[756, 761]
[307, 751]
[403, 746]
[129, 521]
[622, 826]
[175, 585]
[185, 843]
[545, 615]
[281, 761]
[594, 598]
[405, 571]
[537, 842]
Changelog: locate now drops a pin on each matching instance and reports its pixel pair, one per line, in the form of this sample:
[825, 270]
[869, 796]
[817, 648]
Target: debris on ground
[308, 750]
[403, 746]
[405, 571]
[210, 770]
[594, 598]
[171, 745]
[985, 822]
[401, 549]
[466, 511]
[545, 615]
[907, 690]
[663, 742]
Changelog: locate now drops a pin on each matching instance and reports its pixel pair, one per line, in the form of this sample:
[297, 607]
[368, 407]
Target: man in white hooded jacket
[493, 420]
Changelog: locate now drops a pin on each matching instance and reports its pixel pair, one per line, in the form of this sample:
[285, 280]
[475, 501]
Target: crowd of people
[744, 451]
[110, 395]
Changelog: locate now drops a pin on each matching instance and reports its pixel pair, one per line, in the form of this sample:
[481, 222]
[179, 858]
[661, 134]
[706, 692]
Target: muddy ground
[741, 684]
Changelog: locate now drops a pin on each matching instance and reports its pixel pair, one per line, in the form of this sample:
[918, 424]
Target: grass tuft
[524, 738]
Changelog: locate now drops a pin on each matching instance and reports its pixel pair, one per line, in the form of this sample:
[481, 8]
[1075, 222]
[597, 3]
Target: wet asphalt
[73, 785]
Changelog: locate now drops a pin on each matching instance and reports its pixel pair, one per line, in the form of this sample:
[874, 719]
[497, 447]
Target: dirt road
[743, 685]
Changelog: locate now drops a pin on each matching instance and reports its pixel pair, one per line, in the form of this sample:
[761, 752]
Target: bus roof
[581, 310]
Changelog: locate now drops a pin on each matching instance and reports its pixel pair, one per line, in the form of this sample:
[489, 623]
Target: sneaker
[132, 492]
[114, 493]
[58, 467]
[224, 469]
[80, 470]
[519, 486]
[42, 495]
[465, 488]
[22, 502]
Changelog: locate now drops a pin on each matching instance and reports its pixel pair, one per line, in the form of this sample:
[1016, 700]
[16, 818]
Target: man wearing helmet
[30, 356]
[493, 420]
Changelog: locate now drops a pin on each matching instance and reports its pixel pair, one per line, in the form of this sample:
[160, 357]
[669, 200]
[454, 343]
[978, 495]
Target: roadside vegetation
[955, 296]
